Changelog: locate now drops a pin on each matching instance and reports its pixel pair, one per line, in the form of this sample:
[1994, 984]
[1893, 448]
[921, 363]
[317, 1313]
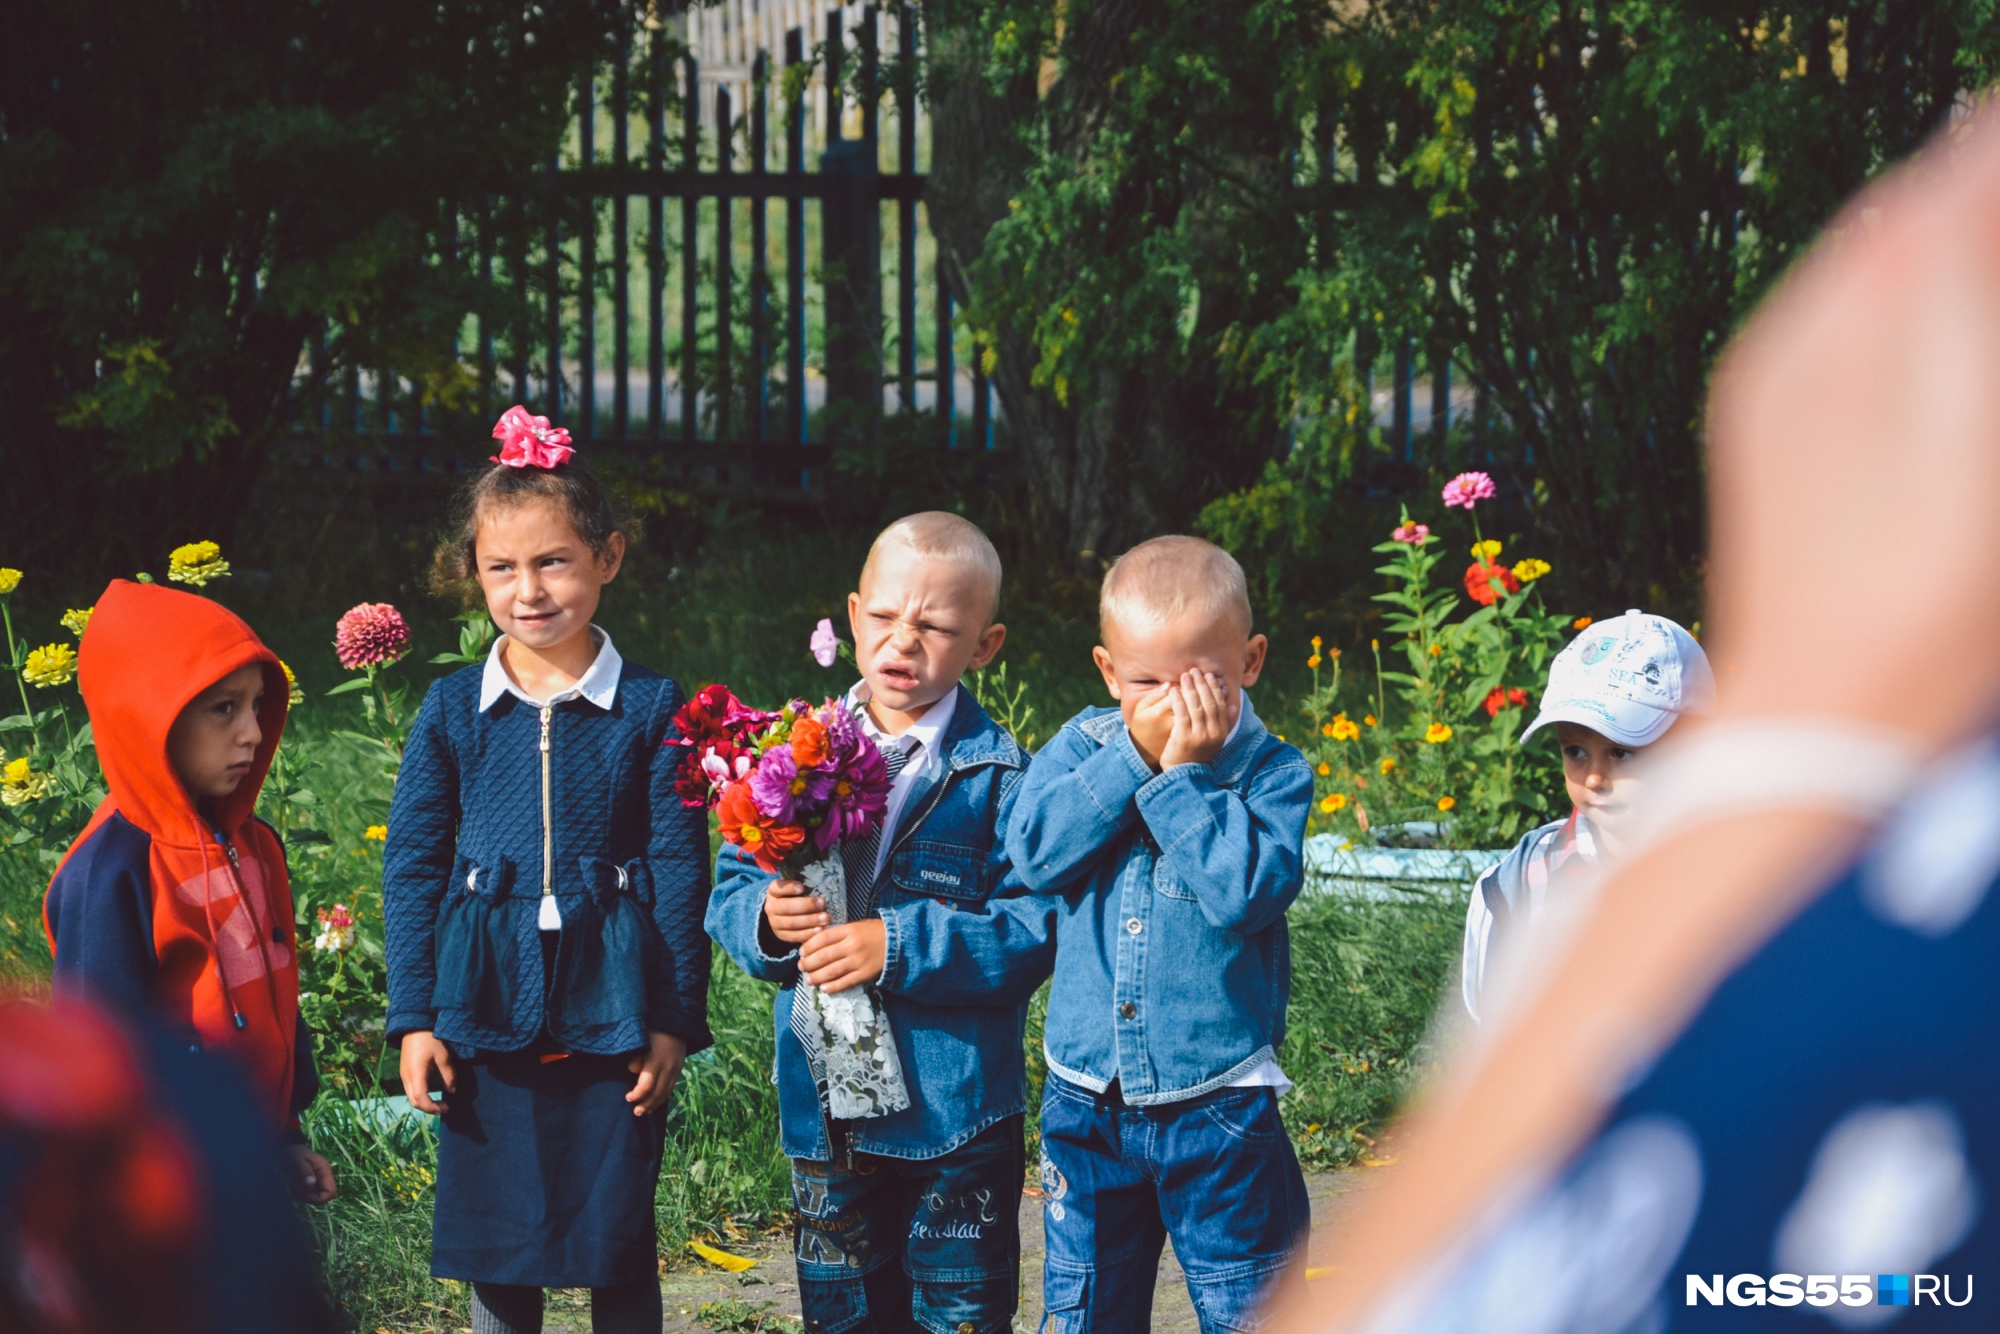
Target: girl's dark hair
[583, 498]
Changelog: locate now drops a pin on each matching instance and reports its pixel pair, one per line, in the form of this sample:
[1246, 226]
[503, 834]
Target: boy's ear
[1253, 659]
[854, 616]
[1102, 657]
[990, 640]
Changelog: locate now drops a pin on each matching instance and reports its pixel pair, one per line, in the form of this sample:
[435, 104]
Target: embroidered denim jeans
[888, 1245]
[1216, 1173]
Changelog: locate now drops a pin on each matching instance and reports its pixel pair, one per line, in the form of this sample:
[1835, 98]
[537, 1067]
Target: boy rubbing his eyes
[1614, 691]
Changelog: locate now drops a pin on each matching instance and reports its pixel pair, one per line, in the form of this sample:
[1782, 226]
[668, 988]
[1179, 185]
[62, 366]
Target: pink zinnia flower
[527, 441]
[373, 634]
[1468, 488]
[825, 643]
[1416, 534]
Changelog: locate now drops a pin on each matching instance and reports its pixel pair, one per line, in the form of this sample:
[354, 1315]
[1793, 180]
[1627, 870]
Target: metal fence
[684, 334]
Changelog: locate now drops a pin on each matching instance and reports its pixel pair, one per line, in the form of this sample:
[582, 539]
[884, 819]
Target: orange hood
[222, 931]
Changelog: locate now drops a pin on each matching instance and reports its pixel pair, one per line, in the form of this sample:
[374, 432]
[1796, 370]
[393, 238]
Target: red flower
[1503, 698]
[1477, 585]
[753, 831]
[714, 720]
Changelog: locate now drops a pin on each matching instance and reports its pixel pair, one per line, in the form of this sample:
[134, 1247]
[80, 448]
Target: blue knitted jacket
[464, 867]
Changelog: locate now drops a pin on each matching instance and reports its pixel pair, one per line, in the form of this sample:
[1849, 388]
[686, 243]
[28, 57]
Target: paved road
[769, 1287]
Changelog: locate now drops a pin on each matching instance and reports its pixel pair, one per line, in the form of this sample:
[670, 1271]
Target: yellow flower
[1313, 662]
[1529, 570]
[9, 580]
[1581, 623]
[377, 833]
[1368, 718]
[20, 784]
[1485, 551]
[50, 665]
[1333, 801]
[1324, 768]
[76, 622]
[197, 563]
[1446, 803]
[1388, 765]
[294, 695]
[1317, 641]
[1438, 733]
[1326, 730]
[1345, 729]
[1437, 650]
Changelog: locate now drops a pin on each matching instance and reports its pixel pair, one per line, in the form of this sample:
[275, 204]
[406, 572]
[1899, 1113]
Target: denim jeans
[896, 1244]
[1216, 1173]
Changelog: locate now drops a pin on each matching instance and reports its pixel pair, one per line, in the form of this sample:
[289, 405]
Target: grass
[1366, 975]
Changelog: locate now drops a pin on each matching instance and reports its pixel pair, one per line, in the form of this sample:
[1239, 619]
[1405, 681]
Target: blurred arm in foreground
[1854, 454]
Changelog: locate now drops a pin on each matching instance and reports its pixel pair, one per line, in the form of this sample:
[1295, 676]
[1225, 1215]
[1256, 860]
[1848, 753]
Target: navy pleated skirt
[545, 1177]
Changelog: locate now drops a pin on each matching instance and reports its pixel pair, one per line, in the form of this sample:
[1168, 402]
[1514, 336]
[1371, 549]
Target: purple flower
[842, 732]
[825, 643]
[784, 793]
[859, 797]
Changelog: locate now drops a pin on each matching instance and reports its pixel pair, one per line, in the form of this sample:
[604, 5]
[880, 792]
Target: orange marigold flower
[1580, 623]
[1446, 803]
[1333, 801]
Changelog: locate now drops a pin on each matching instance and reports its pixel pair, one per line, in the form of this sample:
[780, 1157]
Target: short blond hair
[941, 535]
[1170, 578]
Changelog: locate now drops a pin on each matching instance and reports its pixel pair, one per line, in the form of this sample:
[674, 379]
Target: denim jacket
[1173, 966]
[966, 948]
[475, 815]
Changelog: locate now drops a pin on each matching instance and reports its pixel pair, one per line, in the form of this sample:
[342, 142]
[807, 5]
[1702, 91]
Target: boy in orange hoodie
[173, 904]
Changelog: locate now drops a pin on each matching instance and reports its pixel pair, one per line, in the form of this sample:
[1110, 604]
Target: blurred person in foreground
[1754, 1083]
[139, 1190]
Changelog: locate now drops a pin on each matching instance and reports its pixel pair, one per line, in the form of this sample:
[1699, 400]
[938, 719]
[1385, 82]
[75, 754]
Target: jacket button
[1133, 926]
[965, 1327]
[1128, 1010]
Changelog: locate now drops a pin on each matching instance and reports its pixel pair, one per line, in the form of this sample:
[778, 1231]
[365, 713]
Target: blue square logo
[1892, 1289]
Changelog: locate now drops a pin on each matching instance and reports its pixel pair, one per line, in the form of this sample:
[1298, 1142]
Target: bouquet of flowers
[791, 788]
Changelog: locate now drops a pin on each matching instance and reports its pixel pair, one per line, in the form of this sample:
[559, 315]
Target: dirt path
[766, 1297]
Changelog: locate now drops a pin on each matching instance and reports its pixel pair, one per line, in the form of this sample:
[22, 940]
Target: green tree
[191, 193]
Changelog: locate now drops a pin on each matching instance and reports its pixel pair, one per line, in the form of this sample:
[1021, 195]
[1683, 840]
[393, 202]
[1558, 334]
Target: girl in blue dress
[543, 893]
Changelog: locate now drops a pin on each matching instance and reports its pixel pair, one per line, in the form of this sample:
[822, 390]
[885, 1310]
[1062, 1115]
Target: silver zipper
[548, 827]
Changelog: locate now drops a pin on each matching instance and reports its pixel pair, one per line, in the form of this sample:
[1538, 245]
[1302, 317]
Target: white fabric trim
[923, 744]
[1770, 764]
[598, 684]
[1266, 1075]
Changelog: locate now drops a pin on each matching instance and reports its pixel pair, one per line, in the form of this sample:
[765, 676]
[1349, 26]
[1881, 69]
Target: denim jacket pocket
[602, 955]
[1169, 884]
[477, 952]
[940, 870]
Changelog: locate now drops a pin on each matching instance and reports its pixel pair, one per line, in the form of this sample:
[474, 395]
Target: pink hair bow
[527, 441]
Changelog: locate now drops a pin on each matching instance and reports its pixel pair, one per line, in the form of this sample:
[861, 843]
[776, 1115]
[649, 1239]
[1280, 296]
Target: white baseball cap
[1627, 678]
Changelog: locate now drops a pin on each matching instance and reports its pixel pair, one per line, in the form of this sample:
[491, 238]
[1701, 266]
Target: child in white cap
[1612, 692]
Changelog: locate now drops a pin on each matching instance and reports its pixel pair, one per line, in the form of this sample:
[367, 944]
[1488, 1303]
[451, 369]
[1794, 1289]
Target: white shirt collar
[599, 684]
[927, 731]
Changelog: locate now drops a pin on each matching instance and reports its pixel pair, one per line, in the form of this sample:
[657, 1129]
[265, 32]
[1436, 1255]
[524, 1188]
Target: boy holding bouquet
[907, 1212]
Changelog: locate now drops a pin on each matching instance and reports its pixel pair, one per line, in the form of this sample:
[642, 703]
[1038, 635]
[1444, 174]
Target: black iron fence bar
[725, 207]
[486, 361]
[656, 246]
[760, 274]
[552, 398]
[795, 249]
[947, 365]
[690, 256]
[610, 179]
[871, 105]
[621, 295]
[906, 208]
[586, 269]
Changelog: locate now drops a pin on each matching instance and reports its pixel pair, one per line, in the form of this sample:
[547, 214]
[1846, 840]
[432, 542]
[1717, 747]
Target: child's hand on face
[845, 956]
[795, 915]
[1152, 725]
[1202, 716]
[659, 1069]
[312, 1175]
